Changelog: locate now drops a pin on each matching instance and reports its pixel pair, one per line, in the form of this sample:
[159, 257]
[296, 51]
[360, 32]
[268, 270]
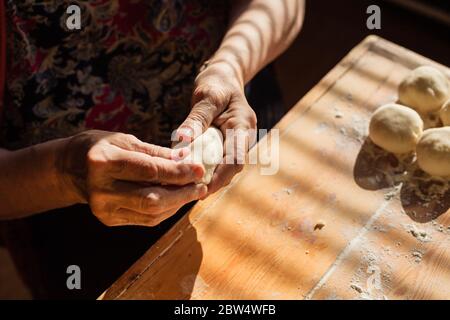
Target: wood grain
[259, 238]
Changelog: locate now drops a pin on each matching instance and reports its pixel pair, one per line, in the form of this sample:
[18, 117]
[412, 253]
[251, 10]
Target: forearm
[260, 30]
[31, 182]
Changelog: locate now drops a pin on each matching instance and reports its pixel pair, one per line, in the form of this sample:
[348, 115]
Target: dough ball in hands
[433, 152]
[445, 113]
[207, 149]
[395, 128]
[425, 89]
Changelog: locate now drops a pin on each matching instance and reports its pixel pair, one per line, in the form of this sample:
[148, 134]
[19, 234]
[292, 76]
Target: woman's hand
[126, 181]
[259, 31]
[219, 99]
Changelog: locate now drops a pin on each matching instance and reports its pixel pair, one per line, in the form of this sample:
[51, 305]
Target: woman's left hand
[219, 100]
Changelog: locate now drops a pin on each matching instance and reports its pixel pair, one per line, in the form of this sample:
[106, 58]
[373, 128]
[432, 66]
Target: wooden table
[338, 221]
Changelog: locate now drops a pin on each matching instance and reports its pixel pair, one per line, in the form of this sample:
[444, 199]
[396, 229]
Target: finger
[177, 173]
[157, 200]
[136, 166]
[127, 217]
[198, 120]
[203, 112]
[180, 152]
[223, 176]
[236, 145]
[239, 117]
[131, 143]
[165, 215]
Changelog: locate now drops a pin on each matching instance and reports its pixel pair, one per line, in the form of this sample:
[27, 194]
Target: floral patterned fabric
[130, 68]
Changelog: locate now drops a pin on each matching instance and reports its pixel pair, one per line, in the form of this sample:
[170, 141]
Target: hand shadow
[423, 197]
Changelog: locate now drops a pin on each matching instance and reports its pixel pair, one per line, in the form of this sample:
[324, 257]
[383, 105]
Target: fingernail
[204, 197]
[198, 172]
[184, 134]
[202, 191]
[180, 154]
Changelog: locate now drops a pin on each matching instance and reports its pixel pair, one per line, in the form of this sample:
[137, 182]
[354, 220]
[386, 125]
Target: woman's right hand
[126, 181]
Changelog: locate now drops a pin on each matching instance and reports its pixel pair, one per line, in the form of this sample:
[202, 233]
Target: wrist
[67, 181]
[230, 66]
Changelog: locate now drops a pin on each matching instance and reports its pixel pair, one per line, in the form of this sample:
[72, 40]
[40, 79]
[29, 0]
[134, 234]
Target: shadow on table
[180, 280]
[422, 197]
[168, 270]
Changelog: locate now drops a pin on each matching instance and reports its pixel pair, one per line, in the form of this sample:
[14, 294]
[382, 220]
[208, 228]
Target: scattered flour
[417, 255]
[417, 233]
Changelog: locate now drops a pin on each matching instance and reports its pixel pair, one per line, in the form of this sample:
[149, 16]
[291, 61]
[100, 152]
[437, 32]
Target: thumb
[203, 113]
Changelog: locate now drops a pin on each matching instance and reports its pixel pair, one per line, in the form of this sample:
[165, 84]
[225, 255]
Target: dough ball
[425, 89]
[445, 113]
[207, 149]
[395, 128]
[433, 152]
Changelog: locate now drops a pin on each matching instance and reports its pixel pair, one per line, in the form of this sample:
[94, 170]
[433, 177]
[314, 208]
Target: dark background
[332, 28]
